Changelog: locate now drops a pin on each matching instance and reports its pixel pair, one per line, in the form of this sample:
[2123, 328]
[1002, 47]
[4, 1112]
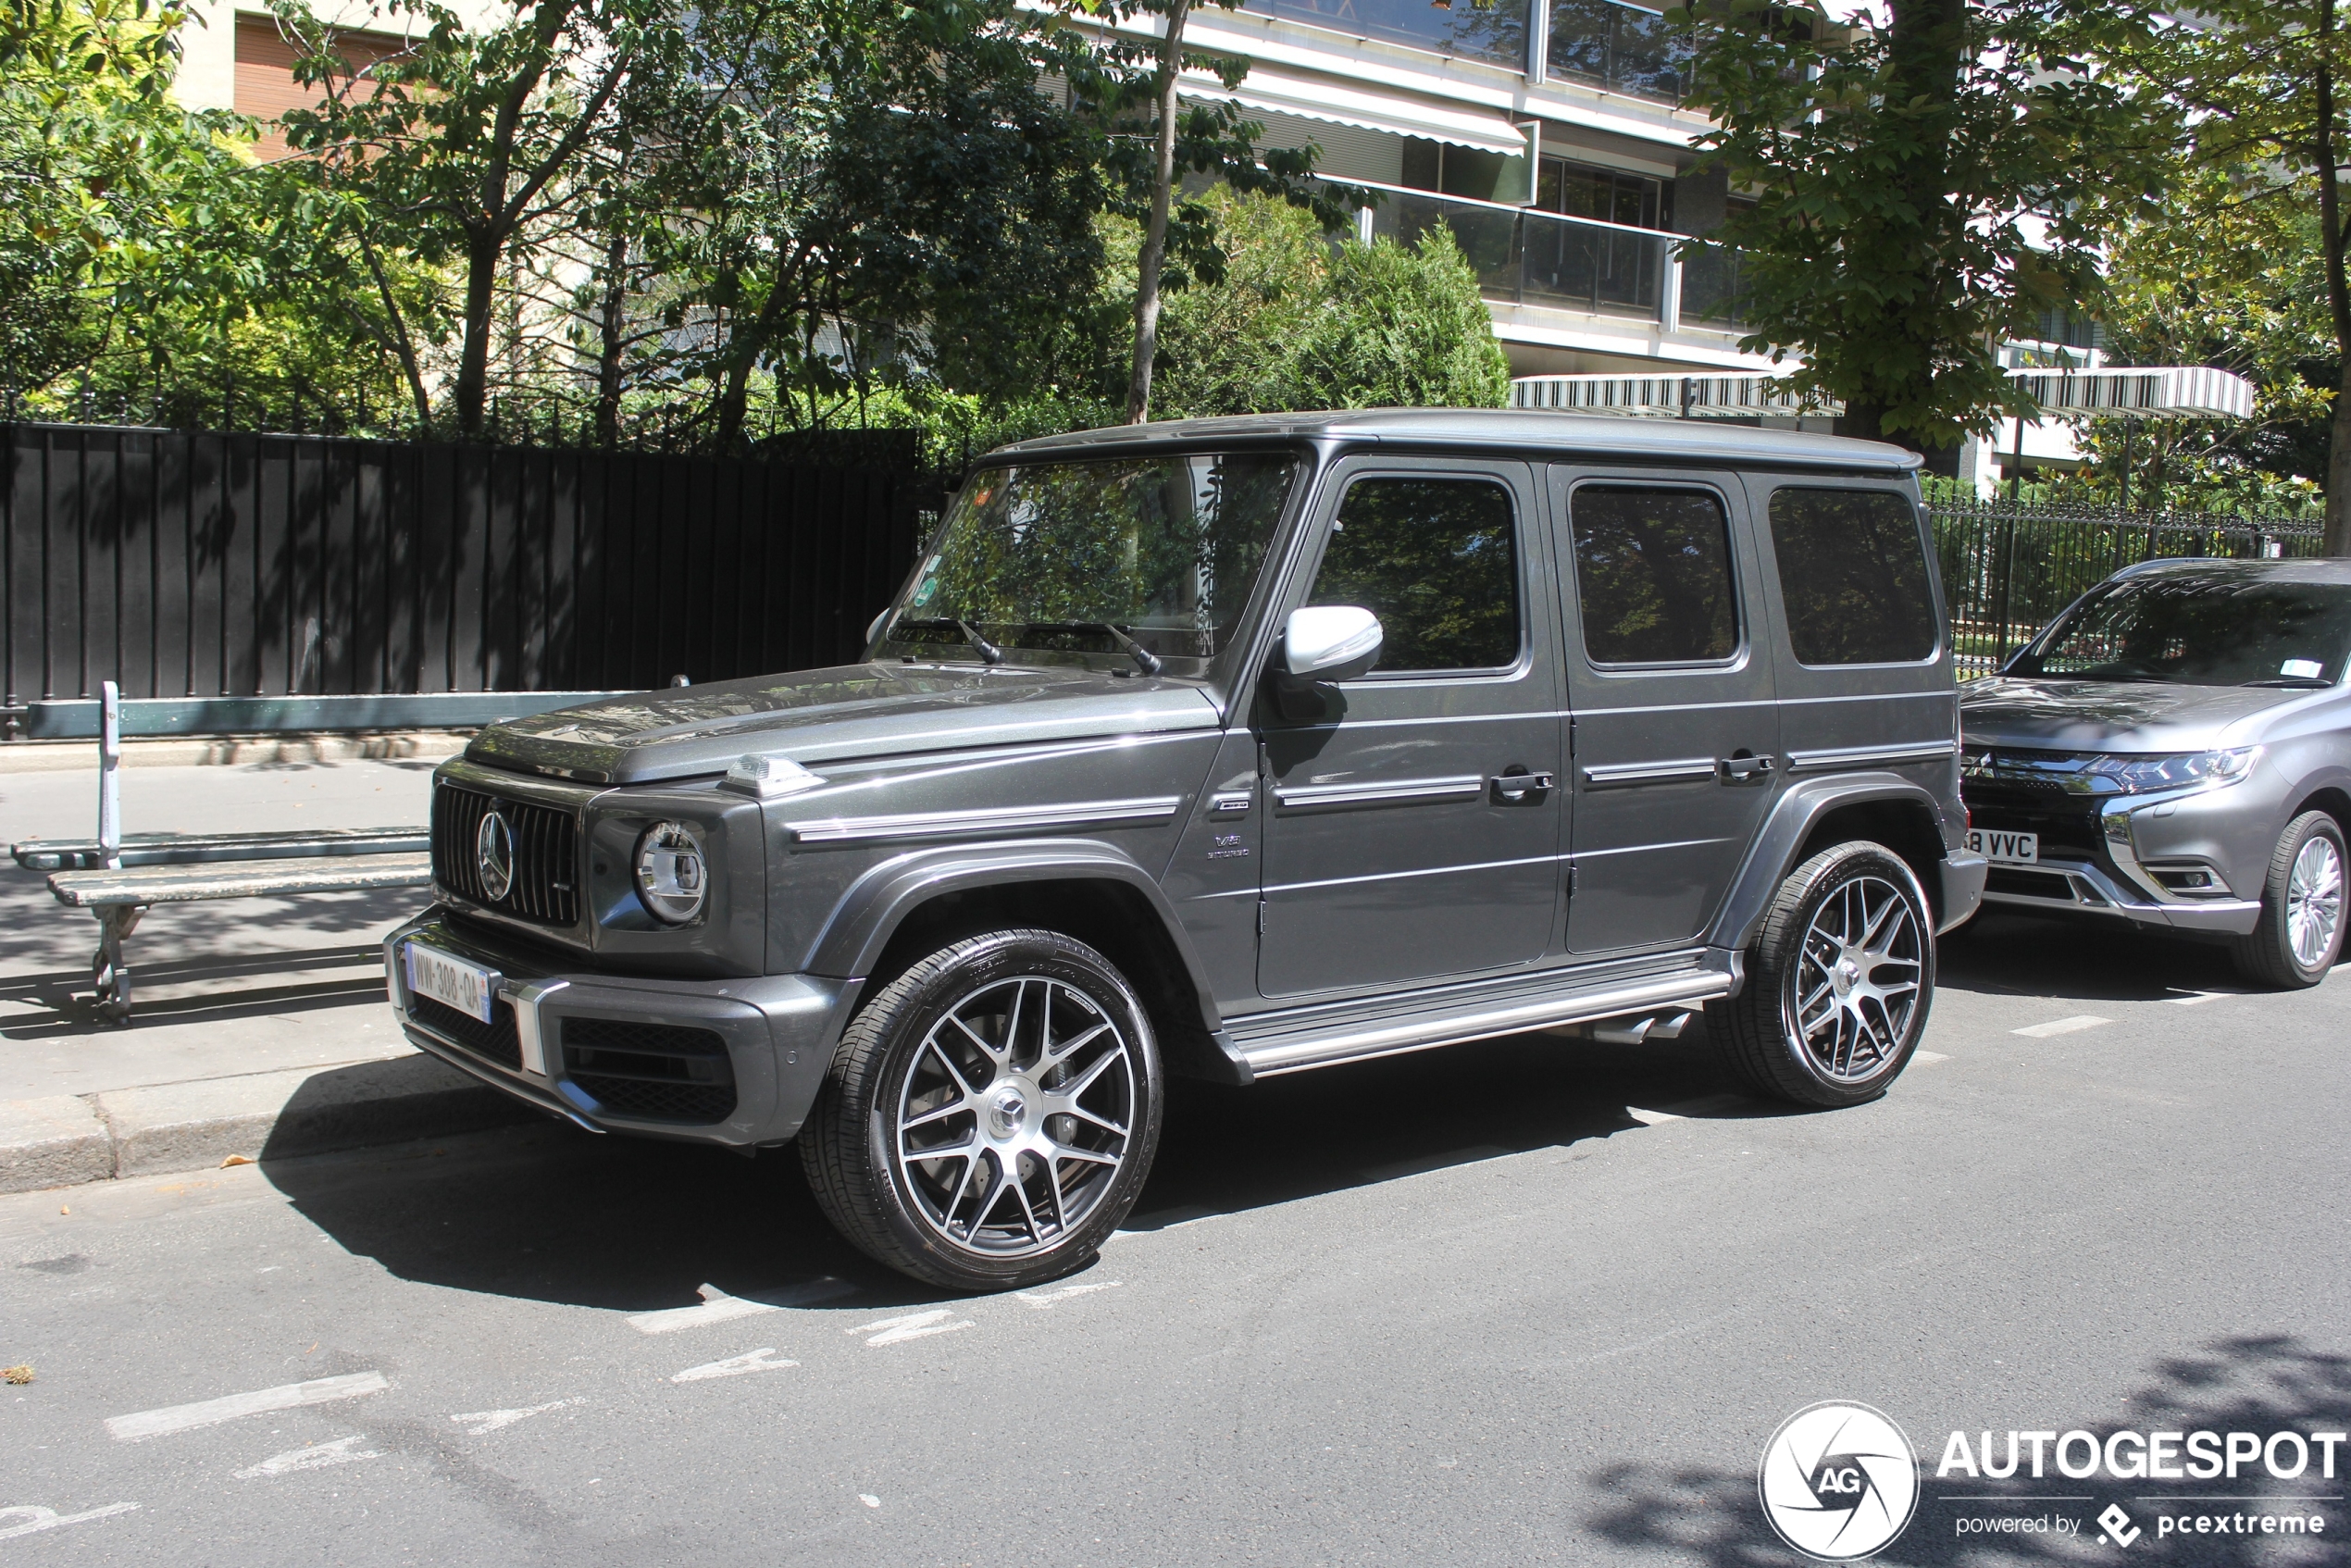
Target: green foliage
[1921, 187]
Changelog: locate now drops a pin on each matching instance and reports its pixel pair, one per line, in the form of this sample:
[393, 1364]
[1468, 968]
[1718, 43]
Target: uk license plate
[452, 982]
[2004, 848]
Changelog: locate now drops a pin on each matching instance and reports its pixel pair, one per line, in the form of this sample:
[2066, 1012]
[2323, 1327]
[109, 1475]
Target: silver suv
[2174, 750]
[1232, 749]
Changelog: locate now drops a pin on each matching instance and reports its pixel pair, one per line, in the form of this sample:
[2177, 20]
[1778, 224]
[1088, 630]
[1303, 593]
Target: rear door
[1864, 665]
[1400, 842]
[1670, 675]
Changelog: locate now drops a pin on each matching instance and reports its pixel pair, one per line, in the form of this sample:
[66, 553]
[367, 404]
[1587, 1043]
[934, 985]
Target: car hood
[830, 714]
[2107, 715]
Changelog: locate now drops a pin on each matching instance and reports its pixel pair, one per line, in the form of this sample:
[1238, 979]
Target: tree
[1920, 188]
[2258, 161]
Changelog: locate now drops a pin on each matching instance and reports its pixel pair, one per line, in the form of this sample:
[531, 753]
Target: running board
[1298, 1038]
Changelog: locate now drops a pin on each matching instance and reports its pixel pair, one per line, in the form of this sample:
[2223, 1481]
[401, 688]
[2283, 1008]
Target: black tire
[2269, 956]
[1870, 1037]
[953, 1050]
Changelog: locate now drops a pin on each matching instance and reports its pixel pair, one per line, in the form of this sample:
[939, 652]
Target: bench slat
[197, 849]
[171, 884]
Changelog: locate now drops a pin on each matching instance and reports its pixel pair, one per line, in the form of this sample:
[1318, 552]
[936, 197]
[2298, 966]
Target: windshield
[2200, 631]
[1161, 551]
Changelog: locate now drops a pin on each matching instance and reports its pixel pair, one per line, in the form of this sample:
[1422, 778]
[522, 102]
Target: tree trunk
[2338, 525]
[1154, 254]
[612, 325]
[482, 252]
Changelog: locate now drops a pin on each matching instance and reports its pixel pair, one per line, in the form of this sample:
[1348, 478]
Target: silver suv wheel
[2299, 933]
[1857, 983]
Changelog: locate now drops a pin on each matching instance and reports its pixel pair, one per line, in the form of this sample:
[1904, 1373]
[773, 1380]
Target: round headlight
[673, 877]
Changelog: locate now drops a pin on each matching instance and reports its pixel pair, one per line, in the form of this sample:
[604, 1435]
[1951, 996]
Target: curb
[68, 1139]
[61, 756]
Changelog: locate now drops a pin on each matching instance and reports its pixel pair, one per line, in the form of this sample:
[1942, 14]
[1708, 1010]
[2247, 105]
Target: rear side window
[1436, 561]
[1653, 575]
[1853, 576]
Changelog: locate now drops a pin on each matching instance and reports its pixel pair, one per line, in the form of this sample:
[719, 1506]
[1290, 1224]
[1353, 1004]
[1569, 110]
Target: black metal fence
[212, 563]
[2008, 568]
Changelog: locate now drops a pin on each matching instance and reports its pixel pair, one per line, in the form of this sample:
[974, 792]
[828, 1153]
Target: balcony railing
[1711, 294]
[1623, 48]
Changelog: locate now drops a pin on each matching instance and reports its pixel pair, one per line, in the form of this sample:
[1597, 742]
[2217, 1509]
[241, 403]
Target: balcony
[1523, 255]
[1622, 48]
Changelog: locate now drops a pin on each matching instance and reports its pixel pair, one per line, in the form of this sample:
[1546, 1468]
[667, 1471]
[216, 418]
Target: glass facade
[1622, 48]
[1482, 30]
[1532, 257]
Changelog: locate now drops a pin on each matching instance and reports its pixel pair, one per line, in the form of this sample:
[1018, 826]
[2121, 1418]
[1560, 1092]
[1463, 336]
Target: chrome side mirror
[1329, 642]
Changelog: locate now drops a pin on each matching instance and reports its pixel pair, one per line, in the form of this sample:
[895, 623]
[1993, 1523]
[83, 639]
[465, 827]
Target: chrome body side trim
[1870, 756]
[2088, 890]
[1310, 796]
[992, 819]
[1680, 770]
[525, 998]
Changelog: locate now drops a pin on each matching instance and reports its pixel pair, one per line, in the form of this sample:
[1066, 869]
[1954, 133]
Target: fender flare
[1772, 854]
[869, 914]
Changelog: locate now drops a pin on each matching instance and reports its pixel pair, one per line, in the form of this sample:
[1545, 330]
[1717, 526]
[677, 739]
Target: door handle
[1743, 767]
[1510, 786]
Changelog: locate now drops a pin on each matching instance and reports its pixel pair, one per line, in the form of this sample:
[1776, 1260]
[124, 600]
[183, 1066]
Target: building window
[1482, 30]
[1623, 48]
[1582, 189]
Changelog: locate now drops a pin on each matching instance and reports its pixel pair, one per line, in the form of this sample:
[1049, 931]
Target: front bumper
[2128, 858]
[733, 1062]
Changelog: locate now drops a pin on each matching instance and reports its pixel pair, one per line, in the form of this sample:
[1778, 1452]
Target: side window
[1653, 575]
[1436, 561]
[1853, 576]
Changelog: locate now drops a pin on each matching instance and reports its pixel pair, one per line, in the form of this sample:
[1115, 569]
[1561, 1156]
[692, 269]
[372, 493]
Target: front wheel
[2300, 932]
[990, 1115]
[1838, 984]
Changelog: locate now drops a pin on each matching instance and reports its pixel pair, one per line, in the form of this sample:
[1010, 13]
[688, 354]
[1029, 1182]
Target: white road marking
[914, 1326]
[761, 1360]
[1652, 1118]
[1164, 1219]
[718, 1307]
[1928, 1058]
[30, 1520]
[869, 1500]
[212, 1412]
[1056, 1297]
[1435, 1163]
[2197, 999]
[2061, 1026]
[489, 1421]
[316, 1457]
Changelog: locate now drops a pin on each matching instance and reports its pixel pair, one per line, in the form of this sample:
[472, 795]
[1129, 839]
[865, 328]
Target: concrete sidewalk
[261, 1027]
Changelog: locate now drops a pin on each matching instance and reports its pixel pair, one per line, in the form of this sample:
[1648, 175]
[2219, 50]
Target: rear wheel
[1838, 983]
[990, 1115]
[2300, 932]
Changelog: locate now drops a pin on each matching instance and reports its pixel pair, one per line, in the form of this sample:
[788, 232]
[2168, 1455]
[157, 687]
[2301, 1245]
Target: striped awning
[2163, 392]
[1272, 90]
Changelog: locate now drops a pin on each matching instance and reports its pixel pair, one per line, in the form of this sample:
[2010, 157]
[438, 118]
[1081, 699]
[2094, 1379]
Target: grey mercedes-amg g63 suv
[1232, 748]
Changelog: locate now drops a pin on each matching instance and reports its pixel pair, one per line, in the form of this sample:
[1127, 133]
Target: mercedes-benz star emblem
[494, 855]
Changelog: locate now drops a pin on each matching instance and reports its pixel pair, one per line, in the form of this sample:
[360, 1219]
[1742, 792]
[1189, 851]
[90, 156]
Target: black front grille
[2028, 884]
[655, 1072]
[494, 1041]
[2067, 824]
[546, 855]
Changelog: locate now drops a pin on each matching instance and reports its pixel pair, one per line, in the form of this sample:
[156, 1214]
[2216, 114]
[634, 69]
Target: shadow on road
[2258, 1384]
[550, 1213]
[2005, 954]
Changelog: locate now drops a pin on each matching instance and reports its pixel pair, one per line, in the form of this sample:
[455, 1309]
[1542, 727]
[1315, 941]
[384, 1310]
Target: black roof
[1520, 430]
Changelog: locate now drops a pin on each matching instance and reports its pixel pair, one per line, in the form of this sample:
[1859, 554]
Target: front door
[1400, 843]
[1670, 677]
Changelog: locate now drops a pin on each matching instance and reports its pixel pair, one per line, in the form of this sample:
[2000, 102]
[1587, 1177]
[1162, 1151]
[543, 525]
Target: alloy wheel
[1855, 989]
[1014, 1118]
[2314, 901]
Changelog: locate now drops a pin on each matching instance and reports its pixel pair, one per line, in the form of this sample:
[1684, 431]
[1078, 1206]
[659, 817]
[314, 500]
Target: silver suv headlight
[2142, 775]
[673, 875]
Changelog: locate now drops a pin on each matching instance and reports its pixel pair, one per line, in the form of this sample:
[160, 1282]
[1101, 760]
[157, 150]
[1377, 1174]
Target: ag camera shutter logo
[1839, 1481]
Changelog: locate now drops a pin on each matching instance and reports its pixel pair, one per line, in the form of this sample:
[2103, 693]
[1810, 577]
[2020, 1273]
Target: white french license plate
[2005, 849]
[449, 981]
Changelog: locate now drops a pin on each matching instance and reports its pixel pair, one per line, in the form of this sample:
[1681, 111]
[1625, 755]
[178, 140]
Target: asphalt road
[1519, 1302]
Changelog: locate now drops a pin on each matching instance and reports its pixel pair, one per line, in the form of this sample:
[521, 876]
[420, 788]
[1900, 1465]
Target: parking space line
[912, 1326]
[30, 1519]
[1928, 1058]
[2197, 999]
[489, 1421]
[716, 1306]
[1652, 1118]
[1056, 1297]
[2061, 1026]
[316, 1457]
[147, 1423]
[761, 1360]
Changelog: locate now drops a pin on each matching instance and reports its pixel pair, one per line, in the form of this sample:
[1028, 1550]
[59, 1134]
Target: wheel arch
[1882, 807]
[917, 903]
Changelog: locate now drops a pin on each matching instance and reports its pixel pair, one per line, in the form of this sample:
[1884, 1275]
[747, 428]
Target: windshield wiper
[987, 650]
[1142, 656]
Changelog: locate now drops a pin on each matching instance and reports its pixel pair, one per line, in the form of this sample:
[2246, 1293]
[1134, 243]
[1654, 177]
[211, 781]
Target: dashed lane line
[487, 1421]
[1928, 1058]
[1051, 1298]
[2061, 1026]
[2197, 999]
[716, 1306]
[27, 1519]
[145, 1424]
[912, 1326]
